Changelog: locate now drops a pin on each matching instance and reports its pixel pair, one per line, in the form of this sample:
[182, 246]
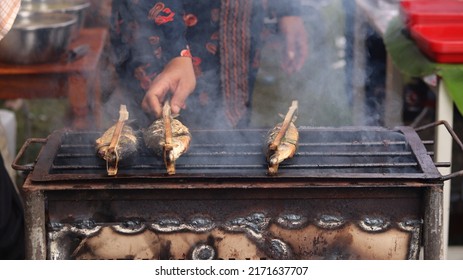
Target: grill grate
[322, 152]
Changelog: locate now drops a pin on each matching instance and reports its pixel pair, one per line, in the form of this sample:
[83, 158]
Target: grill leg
[433, 224]
[34, 215]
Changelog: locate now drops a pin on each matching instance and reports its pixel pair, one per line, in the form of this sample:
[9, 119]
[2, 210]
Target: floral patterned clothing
[147, 34]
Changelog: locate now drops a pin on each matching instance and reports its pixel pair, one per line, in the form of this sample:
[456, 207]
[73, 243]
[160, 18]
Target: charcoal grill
[349, 193]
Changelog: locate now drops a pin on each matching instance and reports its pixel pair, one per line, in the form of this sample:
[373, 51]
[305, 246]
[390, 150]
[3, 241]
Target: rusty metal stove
[349, 193]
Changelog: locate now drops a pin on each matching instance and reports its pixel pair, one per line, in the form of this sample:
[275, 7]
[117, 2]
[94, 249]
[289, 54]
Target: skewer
[112, 149]
[284, 127]
[168, 146]
[273, 152]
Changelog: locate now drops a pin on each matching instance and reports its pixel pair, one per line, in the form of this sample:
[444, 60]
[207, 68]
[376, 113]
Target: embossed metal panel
[334, 223]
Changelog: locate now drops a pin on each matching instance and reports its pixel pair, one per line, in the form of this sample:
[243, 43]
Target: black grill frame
[324, 153]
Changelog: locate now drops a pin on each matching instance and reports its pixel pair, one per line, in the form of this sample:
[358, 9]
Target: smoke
[343, 81]
[331, 86]
[320, 86]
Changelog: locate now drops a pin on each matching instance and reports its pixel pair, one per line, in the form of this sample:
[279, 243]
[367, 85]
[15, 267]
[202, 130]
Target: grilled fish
[118, 144]
[282, 141]
[167, 137]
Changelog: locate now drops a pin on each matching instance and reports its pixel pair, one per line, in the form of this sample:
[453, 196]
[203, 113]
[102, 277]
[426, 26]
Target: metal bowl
[37, 38]
[75, 7]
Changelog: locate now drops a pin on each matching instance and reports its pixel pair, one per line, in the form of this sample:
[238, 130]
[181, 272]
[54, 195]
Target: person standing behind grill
[205, 54]
[11, 210]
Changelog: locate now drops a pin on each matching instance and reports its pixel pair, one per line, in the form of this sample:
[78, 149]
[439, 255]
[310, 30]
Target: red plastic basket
[431, 12]
[441, 42]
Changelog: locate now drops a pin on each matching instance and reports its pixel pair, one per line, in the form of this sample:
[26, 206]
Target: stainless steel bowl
[37, 38]
[75, 7]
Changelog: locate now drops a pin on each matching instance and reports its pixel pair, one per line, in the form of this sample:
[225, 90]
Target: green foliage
[408, 58]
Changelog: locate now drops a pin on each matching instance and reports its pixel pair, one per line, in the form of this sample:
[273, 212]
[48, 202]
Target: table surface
[93, 37]
[77, 79]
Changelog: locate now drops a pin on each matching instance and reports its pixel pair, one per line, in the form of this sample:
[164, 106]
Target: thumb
[178, 100]
[183, 90]
[290, 47]
[152, 102]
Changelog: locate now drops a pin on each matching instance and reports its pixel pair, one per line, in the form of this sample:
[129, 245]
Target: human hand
[177, 78]
[296, 43]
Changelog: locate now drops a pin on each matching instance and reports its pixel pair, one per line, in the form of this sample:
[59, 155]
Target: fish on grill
[118, 144]
[167, 137]
[282, 141]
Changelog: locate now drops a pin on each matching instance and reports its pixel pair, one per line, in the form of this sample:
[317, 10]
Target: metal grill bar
[206, 154]
[260, 166]
[356, 165]
[297, 166]
[373, 143]
[356, 154]
[75, 155]
[212, 145]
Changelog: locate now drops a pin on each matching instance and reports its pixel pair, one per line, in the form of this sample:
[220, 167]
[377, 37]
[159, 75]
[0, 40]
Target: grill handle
[455, 138]
[20, 154]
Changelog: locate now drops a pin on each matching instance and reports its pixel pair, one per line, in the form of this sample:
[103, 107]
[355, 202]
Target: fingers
[178, 79]
[296, 52]
[154, 98]
[303, 53]
[178, 100]
[183, 90]
[290, 54]
[185, 84]
[296, 44]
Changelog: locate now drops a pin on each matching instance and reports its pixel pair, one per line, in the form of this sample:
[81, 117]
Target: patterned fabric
[8, 11]
[235, 47]
[223, 38]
